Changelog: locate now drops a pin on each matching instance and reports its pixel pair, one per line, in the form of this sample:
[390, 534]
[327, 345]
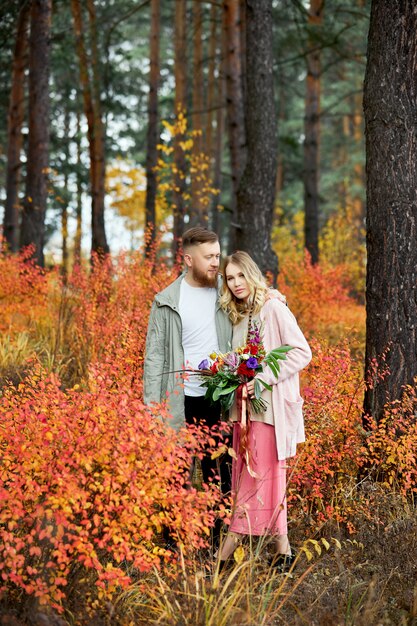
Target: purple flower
[204, 365]
[252, 363]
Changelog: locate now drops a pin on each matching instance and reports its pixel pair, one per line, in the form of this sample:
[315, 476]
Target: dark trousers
[198, 410]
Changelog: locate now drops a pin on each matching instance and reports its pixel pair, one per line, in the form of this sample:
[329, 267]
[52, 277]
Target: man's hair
[197, 235]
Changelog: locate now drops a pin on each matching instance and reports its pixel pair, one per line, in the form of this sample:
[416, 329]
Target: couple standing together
[199, 314]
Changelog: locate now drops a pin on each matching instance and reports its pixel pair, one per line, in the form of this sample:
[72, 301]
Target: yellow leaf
[239, 554]
[232, 453]
[325, 543]
[307, 552]
[221, 450]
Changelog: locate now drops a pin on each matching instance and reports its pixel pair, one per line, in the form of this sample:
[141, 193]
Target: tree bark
[14, 131]
[34, 205]
[95, 127]
[235, 108]
[212, 82]
[198, 213]
[256, 194]
[153, 130]
[180, 109]
[64, 214]
[390, 98]
[78, 209]
[312, 131]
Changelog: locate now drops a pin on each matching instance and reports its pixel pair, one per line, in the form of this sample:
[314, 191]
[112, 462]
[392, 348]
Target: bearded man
[186, 324]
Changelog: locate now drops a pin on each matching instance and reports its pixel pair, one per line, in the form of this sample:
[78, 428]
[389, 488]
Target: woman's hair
[235, 308]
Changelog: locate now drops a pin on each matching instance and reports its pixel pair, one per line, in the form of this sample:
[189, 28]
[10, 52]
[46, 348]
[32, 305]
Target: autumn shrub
[319, 297]
[23, 291]
[342, 243]
[25, 305]
[324, 474]
[88, 480]
[110, 308]
[391, 444]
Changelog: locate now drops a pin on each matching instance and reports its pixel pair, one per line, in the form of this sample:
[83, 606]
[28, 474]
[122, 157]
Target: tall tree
[198, 213]
[89, 79]
[312, 129]
[390, 98]
[215, 111]
[180, 71]
[79, 193]
[34, 204]
[235, 107]
[14, 131]
[256, 194]
[153, 127]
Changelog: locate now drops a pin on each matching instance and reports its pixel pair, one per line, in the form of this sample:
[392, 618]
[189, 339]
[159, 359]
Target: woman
[259, 485]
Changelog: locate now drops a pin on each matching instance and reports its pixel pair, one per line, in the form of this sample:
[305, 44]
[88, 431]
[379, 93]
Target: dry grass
[366, 579]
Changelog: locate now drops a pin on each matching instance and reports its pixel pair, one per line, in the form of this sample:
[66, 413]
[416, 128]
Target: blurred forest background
[120, 72]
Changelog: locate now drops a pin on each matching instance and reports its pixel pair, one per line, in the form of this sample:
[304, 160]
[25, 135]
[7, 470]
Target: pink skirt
[260, 504]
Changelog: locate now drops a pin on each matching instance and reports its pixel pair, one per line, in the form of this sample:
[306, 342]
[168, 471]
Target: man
[186, 324]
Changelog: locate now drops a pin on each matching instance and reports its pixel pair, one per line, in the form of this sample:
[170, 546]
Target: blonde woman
[260, 506]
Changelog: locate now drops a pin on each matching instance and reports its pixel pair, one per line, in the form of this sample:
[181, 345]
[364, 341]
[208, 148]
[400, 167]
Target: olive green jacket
[164, 356]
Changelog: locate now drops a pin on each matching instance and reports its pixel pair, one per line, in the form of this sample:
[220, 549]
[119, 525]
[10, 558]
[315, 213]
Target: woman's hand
[251, 388]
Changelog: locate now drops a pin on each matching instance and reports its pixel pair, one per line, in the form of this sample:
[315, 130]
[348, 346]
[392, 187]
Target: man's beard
[204, 279]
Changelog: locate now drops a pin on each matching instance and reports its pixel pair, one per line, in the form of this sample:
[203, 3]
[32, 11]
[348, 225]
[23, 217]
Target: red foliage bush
[391, 444]
[324, 473]
[87, 481]
[319, 297]
[23, 291]
[110, 308]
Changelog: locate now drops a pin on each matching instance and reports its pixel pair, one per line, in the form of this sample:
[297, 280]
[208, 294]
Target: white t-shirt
[199, 337]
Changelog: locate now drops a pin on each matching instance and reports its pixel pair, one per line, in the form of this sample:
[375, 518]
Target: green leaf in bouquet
[280, 353]
[227, 401]
[224, 391]
[259, 383]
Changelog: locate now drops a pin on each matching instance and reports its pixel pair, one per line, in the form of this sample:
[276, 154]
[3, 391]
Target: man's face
[203, 263]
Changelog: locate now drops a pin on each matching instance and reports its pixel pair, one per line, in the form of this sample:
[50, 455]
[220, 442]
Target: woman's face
[237, 282]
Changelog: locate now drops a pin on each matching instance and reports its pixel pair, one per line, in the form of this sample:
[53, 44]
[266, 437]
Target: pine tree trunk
[180, 109]
[256, 194]
[64, 214]
[212, 81]
[312, 131]
[34, 205]
[216, 108]
[235, 108]
[153, 130]
[95, 128]
[78, 209]
[14, 131]
[391, 148]
[198, 213]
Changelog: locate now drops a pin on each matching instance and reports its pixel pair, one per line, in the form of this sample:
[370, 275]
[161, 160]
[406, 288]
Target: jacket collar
[170, 296]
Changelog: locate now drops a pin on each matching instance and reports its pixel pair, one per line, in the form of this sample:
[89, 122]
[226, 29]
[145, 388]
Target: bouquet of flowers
[222, 374]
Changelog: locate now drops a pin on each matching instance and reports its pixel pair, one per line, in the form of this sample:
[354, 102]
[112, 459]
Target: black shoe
[282, 563]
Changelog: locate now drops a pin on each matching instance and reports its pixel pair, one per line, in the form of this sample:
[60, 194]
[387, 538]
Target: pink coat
[280, 328]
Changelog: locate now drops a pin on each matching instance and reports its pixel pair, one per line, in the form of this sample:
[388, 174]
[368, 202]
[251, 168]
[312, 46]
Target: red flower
[215, 367]
[253, 349]
[243, 370]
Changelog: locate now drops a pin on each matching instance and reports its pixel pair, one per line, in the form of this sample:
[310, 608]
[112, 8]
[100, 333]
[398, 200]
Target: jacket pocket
[293, 413]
